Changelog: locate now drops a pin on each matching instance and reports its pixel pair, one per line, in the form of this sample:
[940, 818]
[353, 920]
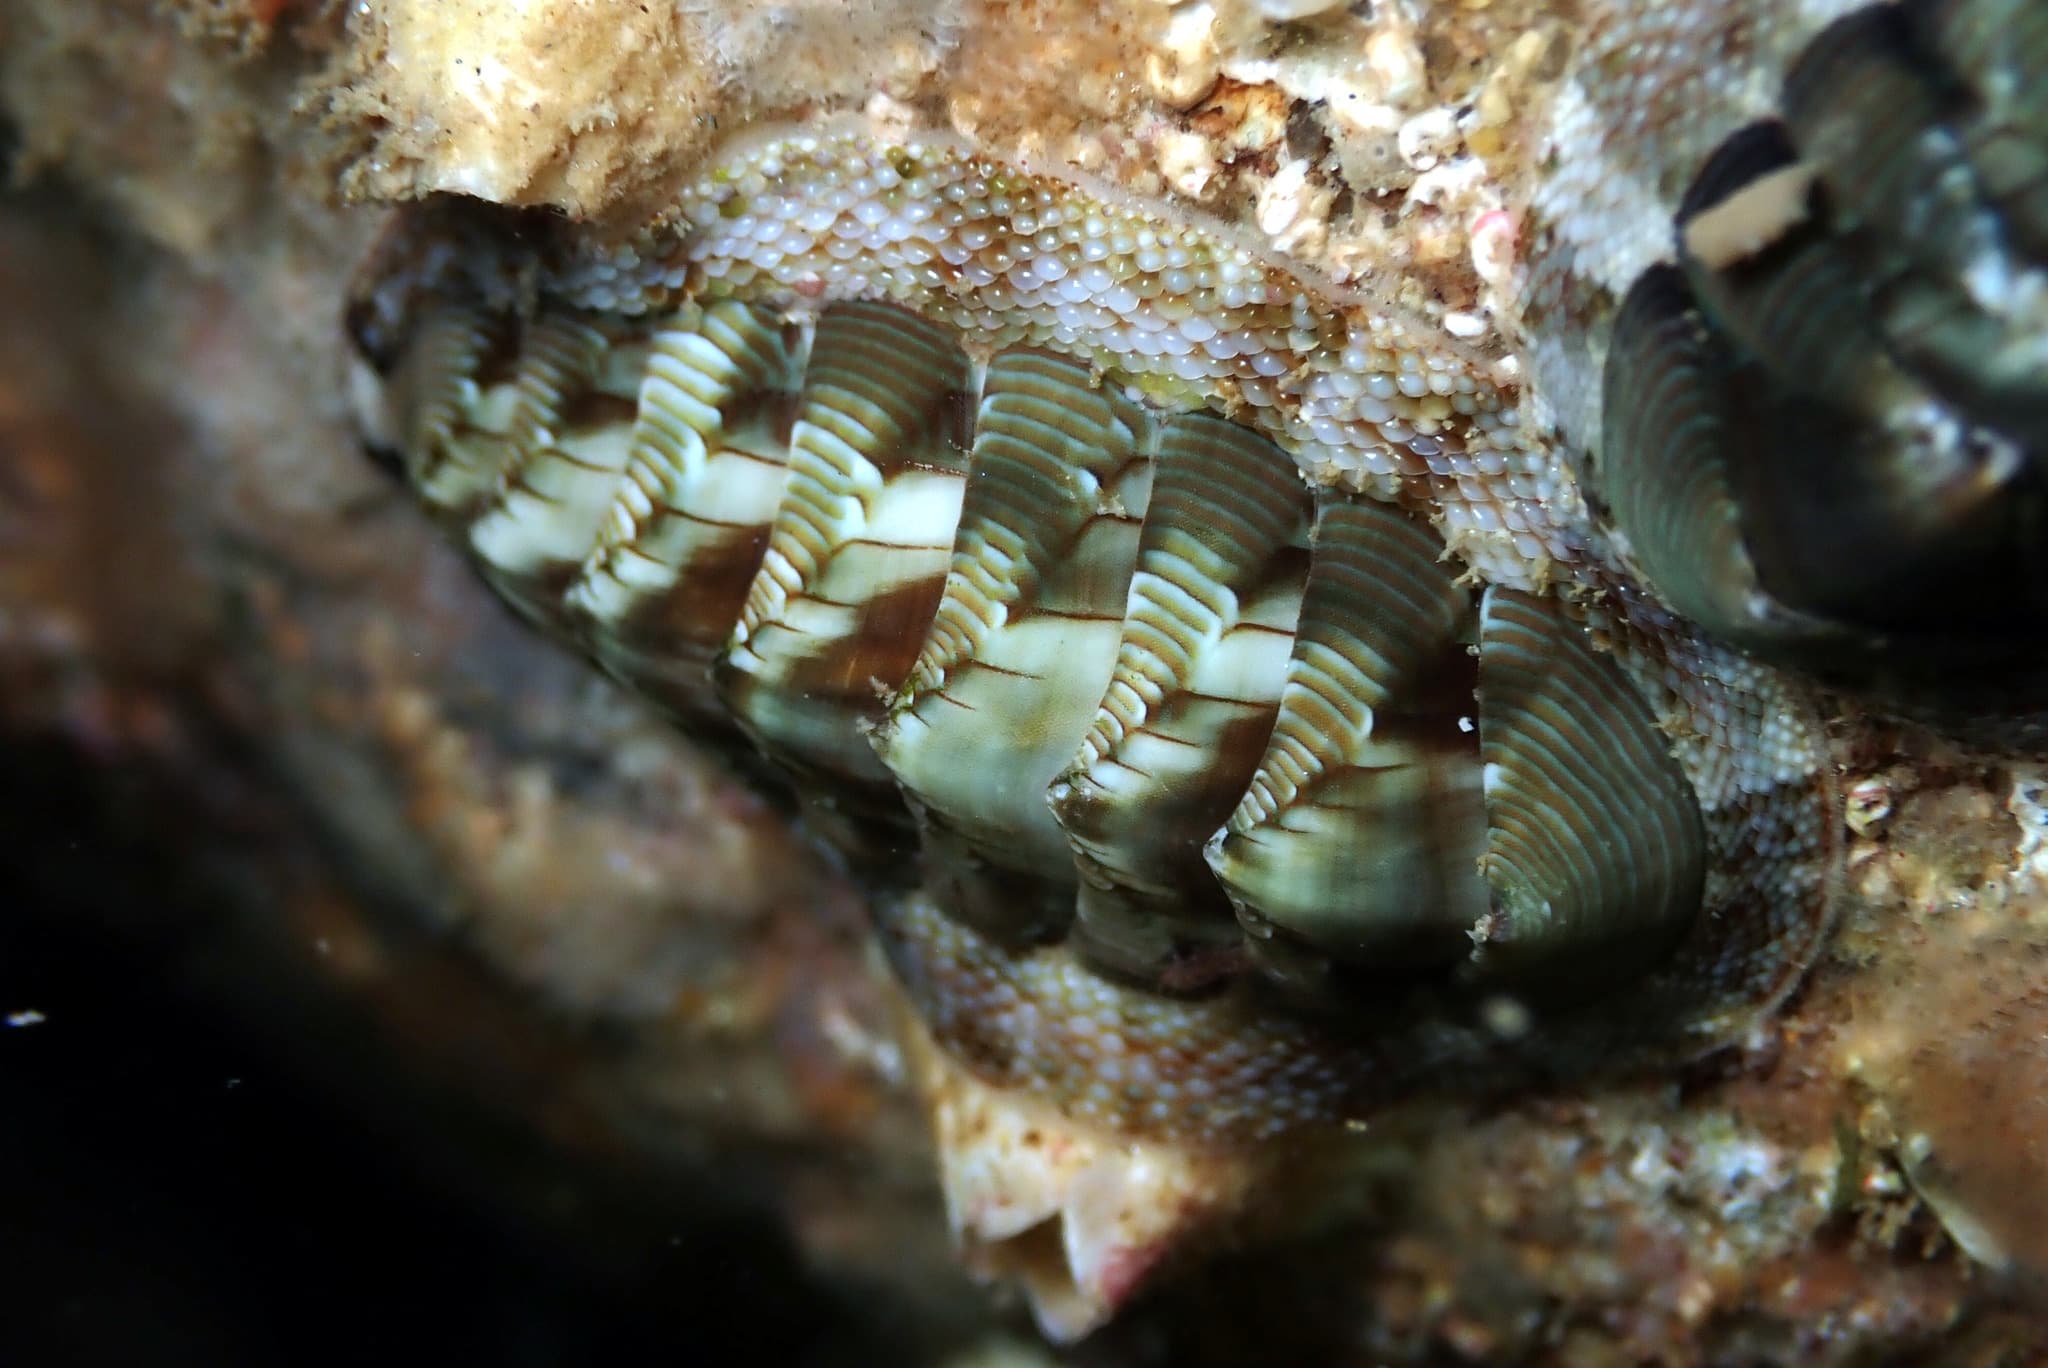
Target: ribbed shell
[1362, 830]
[1091, 643]
[1200, 800]
[1825, 428]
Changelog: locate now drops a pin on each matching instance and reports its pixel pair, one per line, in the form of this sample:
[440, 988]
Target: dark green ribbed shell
[1825, 430]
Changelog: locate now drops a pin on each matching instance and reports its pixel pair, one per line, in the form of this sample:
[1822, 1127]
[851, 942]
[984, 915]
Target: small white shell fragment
[1185, 65]
[1284, 197]
[1428, 138]
[1186, 162]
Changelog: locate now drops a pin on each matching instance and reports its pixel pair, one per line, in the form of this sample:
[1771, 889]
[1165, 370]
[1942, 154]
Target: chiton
[1820, 427]
[1233, 706]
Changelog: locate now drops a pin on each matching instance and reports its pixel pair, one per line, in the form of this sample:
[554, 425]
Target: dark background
[199, 1167]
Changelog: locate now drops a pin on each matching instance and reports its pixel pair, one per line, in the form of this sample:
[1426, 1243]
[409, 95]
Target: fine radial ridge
[1360, 833]
[456, 435]
[857, 553]
[1025, 636]
[1594, 846]
[1213, 604]
[567, 455]
[656, 598]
